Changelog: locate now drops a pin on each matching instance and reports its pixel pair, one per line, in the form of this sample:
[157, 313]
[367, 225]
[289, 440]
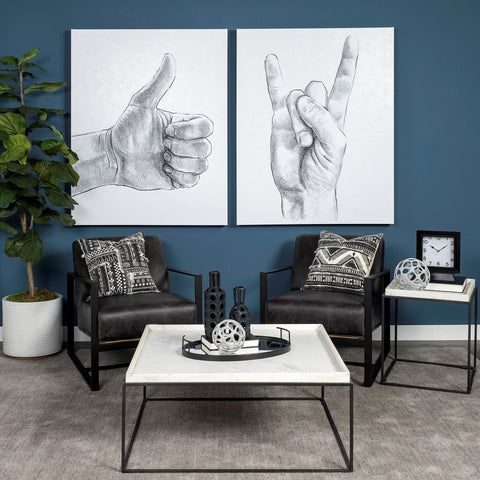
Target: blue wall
[437, 161]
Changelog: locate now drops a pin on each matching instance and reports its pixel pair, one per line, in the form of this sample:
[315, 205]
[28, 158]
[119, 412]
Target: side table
[467, 297]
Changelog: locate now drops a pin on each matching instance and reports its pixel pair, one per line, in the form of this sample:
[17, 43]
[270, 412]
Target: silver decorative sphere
[228, 336]
[412, 273]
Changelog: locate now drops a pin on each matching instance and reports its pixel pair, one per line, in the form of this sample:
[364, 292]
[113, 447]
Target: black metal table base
[469, 367]
[347, 457]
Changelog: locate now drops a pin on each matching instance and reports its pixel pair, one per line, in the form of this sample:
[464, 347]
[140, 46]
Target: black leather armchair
[117, 322]
[347, 318]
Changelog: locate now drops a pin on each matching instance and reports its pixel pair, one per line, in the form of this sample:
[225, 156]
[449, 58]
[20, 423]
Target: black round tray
[269, 347]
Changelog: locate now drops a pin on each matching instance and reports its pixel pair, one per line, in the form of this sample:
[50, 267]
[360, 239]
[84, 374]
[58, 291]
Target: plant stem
[23, 215]
[20, 81]
[31, 284]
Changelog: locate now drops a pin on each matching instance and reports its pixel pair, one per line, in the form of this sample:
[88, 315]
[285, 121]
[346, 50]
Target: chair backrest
[153, 251]
[305, 246]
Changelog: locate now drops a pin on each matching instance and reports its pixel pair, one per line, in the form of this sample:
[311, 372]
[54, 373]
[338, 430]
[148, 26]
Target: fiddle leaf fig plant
[35, 163]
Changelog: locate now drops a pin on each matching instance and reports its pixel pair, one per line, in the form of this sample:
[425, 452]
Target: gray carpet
[53, 427]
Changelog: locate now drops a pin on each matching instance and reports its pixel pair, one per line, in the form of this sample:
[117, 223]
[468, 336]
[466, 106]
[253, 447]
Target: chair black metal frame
[371, 368]
[91, 374]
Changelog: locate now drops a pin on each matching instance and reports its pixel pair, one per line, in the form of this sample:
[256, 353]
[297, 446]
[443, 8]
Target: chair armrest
[378, 275]
[264, 288]
[369, 294]
[275, 270]
[368, 283]
[73, 277]
[198, 289]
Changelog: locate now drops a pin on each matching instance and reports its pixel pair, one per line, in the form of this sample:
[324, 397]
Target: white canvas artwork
[315, 136]
[149, 123]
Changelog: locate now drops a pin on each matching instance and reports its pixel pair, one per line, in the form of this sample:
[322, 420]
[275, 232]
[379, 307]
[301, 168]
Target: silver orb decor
[228, 336]
[412, 273]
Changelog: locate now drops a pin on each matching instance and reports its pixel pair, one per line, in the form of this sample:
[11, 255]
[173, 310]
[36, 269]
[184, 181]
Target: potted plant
[35, 165]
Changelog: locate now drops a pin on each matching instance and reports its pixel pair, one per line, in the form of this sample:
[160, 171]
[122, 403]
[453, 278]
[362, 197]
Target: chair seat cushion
[125, 316]
[339, 313]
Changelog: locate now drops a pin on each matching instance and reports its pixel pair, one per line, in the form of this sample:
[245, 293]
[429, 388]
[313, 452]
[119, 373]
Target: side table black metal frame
[471, 369]
[127, 449]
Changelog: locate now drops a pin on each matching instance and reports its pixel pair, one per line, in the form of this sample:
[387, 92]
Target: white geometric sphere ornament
[412, 273]
[228, 336]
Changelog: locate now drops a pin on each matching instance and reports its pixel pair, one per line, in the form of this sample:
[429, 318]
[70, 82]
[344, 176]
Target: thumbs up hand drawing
[148, 148]
[307, 143]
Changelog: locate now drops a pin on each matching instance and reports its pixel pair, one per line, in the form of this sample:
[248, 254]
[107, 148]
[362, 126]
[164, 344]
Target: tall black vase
[214, 300]
[239, 311]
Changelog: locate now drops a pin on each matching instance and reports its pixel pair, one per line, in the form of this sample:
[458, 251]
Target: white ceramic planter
[32, 329]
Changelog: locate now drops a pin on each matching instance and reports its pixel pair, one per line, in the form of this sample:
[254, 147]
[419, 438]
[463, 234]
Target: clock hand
[434, 248]
[442, 248]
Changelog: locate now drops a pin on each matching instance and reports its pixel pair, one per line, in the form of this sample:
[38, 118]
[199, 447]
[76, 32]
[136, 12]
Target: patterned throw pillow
[119, 268]
[341, 264]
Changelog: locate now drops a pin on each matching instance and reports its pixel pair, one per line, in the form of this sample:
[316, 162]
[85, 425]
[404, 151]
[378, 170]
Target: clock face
[438, 251]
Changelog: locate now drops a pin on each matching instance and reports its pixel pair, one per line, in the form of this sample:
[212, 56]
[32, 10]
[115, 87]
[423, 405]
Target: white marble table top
[394, 291]
[312, 359]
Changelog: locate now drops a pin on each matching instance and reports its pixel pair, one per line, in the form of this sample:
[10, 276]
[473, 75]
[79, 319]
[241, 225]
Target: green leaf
[54, 129]
[64, 172]
[56, 111]
[64, 218]
[30, 193]
[3, 136]
[72, 157]
[8, 194]
[9, 60]
[24, 182]
[14, 144]
[26, 246]
[18, 139]
[31, 205]
[30, 110]
[4, 88]
[8, 78]
[52, 147]
[43, 219]
[12, 123]
[29, 55]
[8, 212]
[21, 169]
[10, 96]
[14, 154]
[60, 199]
[11, 109]
[45, 86]
[8, 228]
[28, 65]
[44, 174]
[49, 146]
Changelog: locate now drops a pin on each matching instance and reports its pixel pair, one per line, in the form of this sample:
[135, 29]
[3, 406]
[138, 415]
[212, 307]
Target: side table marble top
[394, 291]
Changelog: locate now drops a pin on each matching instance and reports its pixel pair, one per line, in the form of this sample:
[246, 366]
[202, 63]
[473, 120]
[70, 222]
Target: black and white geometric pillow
[341, 264]
[119, 268]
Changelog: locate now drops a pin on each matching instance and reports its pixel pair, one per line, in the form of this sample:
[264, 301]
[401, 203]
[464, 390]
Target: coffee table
[312, 361]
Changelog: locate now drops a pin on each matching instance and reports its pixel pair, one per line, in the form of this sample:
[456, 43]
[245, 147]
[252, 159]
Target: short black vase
[239, 311]
[214, 300]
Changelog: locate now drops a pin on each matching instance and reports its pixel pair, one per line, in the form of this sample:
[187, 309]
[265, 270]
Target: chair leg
[368, 367]
[70, 315]
[95, 369]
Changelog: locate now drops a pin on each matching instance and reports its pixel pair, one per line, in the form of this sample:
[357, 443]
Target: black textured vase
[239, 311]
[214, 300]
